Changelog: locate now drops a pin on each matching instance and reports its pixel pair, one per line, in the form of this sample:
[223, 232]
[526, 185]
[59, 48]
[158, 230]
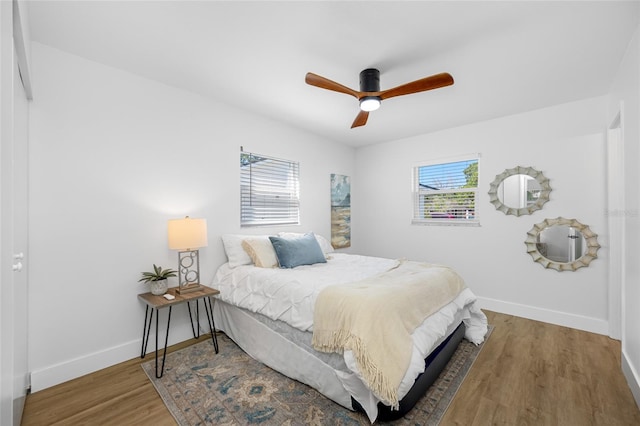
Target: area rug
[200, 387]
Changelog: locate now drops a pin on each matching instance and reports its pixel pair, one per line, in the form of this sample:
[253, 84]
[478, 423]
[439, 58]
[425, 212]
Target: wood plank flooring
[528, 373]
[533, 373]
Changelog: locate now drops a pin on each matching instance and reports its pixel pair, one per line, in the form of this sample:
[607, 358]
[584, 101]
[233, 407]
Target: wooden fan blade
[361, 119]
[428, 83]
[325, 83]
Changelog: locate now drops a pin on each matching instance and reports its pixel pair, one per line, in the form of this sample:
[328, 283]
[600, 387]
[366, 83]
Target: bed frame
[434, 364]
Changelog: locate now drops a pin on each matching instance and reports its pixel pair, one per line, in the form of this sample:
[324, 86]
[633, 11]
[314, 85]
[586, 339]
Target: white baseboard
[593, 325]
[59, 373]
[633, 379]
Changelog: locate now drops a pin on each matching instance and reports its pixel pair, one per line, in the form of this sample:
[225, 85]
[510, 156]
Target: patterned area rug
[200, 387]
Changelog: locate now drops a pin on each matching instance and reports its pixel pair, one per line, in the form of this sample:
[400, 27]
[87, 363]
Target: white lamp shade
[187, 233]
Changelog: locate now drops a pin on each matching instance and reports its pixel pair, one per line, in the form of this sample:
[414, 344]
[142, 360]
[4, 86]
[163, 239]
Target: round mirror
[562, 244]
[519, 191]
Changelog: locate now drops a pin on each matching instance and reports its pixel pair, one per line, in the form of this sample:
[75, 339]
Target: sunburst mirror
[519, 191]
[562, 244]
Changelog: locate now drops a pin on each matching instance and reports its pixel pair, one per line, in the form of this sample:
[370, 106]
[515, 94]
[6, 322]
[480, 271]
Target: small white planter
[159, 287]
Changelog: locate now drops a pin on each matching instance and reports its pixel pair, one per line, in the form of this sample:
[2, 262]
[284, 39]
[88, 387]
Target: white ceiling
[505, 57]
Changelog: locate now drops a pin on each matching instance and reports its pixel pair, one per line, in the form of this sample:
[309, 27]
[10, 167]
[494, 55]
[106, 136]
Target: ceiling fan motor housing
[370, 80]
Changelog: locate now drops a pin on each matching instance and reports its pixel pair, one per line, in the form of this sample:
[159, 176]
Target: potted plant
[158, 279]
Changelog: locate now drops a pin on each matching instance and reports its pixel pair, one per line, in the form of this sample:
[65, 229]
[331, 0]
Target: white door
[13, 228]
[20, 245]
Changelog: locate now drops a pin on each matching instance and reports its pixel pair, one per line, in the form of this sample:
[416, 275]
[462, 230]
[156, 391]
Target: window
[269, 190]
[446, 193]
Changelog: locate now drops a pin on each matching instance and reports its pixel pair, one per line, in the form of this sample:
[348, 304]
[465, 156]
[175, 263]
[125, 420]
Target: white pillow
[261, 252]
[325, 245]
[235, 253]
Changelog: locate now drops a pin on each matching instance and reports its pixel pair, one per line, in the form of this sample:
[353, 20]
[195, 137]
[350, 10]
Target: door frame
[616, 218]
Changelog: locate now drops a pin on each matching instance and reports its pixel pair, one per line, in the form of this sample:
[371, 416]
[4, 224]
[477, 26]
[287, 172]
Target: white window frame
[269, 191]
[421, 191]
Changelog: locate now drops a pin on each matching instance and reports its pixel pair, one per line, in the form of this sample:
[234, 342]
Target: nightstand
[155, 303]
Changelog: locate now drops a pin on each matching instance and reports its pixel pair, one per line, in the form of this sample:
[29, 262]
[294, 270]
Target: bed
[270, 298]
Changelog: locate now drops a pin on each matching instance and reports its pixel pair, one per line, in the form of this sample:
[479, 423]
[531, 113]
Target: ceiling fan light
[369, 103]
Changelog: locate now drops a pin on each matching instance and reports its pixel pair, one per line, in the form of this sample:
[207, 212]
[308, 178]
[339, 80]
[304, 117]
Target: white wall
[625, 91]
[113, 157]
[566, 143]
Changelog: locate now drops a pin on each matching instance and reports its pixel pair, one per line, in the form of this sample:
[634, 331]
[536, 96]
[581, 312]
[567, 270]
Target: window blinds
[269, 190]
[446, 191]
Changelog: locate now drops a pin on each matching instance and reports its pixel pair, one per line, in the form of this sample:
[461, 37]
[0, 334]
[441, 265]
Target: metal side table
[155, 303]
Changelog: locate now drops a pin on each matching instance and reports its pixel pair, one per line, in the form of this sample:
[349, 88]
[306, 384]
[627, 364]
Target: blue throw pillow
[292, 252]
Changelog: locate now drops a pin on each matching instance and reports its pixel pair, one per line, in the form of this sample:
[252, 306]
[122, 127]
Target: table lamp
[187, 236]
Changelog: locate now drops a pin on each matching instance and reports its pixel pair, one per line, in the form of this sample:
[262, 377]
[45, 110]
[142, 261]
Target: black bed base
[434, 364]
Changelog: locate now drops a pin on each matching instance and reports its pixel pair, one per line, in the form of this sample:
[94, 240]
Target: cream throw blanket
[375, 317]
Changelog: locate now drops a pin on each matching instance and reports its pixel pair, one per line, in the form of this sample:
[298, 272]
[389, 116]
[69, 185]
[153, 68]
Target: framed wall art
[340, 211]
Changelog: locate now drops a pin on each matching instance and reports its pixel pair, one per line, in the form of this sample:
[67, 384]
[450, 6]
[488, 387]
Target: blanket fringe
[337, 341]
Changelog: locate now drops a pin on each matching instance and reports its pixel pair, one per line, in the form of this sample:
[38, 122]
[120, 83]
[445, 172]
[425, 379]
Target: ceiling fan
[370, 96]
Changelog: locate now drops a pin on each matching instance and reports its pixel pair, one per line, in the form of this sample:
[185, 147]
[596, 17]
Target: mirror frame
[590, 237]
[545, 190]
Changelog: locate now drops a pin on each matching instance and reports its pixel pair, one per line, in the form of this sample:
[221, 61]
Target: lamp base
[188, 288]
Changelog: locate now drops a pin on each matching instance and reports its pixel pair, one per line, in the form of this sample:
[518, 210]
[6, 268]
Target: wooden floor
[528, 373]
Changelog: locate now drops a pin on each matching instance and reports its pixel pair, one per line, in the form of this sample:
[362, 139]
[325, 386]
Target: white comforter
[289, 295]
